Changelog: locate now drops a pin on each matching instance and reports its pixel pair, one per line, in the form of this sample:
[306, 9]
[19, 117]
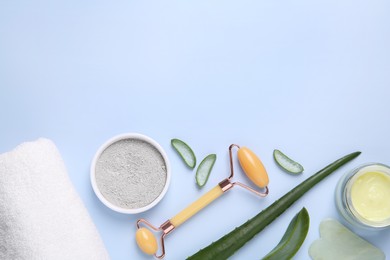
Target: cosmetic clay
[130, 173]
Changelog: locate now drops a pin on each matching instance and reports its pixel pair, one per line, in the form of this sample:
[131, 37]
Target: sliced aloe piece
[185, 152]
[204, 169]
[286, 163]
[293, 237]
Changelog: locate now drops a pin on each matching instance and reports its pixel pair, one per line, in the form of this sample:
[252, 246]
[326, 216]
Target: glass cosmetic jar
[363, 196]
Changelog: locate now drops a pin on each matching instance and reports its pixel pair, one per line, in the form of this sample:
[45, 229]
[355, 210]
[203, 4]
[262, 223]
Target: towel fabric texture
[41, 215]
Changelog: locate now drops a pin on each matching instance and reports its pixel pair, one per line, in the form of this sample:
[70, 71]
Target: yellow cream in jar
[370, 196]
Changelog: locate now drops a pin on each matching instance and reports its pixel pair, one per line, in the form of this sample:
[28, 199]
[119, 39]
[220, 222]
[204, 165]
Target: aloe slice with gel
[286, 163]
[185, 152]
[204, 169]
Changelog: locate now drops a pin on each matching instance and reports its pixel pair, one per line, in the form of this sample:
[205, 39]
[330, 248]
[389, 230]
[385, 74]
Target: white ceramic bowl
[125, 137]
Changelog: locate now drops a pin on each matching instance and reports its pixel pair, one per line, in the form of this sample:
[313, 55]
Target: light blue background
[308, 77]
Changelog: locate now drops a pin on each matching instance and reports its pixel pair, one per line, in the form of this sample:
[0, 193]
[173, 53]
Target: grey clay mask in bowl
[130, 173]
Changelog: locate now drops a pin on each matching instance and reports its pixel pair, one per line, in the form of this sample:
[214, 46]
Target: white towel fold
[41, 215]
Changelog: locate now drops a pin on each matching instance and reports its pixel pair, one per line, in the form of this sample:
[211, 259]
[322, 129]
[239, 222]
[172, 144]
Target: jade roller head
[250, 164]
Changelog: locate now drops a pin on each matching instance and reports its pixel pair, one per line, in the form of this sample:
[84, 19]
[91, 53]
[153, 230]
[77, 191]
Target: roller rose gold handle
[253, 168]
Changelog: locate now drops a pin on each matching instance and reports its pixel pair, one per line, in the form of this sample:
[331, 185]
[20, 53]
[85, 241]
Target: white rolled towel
[41, 215]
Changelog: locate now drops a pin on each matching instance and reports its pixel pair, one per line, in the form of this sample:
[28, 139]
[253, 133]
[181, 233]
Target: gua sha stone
[338, 242]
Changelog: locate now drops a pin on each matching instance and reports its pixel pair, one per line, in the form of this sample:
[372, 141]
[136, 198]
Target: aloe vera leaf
[237, 238]
[293, 237]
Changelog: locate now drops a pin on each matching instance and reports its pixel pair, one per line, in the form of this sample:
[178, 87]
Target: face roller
[253, 168]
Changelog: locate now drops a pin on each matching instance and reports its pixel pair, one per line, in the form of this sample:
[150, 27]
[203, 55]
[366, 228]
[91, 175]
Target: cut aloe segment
[286, 163]
[185, 152]
[204, 169]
